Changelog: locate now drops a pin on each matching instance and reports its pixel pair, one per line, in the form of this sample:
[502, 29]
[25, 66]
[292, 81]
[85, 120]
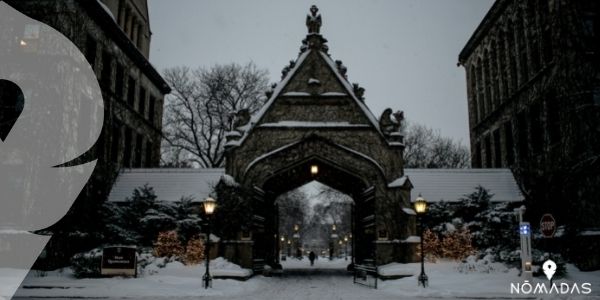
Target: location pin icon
[549, 268]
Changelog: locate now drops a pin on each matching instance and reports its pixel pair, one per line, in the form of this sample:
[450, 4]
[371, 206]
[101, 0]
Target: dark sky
[404, 52]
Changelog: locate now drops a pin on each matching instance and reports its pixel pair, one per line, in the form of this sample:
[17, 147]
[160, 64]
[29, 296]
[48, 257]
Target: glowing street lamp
[421, 208]
[314, 170]
[209, 205]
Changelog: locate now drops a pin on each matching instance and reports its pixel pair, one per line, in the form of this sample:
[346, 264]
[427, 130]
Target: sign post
[119, 261]
[525, 235]
[548, 226]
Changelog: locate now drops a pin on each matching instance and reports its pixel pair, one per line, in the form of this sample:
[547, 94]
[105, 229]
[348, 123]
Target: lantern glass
[209, 205]
[420, 205]
[314, 170]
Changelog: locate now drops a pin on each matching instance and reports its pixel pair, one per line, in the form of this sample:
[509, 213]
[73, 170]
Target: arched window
[502, 65]
[480, 98]
[533, 36]
[522, 48]
[494, 75]
[512, 62]
[473, 93]
[487, 82]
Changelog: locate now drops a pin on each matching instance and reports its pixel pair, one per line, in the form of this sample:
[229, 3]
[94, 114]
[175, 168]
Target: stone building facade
[534, 103]
[114, 36]
[316, 126]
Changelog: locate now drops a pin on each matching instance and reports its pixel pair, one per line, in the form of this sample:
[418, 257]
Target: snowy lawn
[326, 280]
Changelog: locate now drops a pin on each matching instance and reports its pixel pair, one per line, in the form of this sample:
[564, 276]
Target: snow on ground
[325, 280]
[320, 263]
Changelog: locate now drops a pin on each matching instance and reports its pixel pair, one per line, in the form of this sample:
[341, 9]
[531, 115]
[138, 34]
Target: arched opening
[268, 242]
[315, 221]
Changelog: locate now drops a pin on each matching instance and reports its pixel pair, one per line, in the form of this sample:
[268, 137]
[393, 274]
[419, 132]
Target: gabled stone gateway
[314, 116]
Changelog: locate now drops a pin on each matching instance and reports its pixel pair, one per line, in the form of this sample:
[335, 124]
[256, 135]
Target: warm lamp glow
[420, 205]
[296, 227]
[23, 43]
[282, 239]
[314, 170]
[209, 205]
[345, 238]
[333, 227]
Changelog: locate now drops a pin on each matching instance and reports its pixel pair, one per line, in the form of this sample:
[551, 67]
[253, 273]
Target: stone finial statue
[313, 20]
[242, 117]
[389, 124]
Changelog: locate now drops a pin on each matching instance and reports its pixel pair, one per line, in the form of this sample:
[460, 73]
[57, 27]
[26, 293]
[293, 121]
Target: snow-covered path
[326, 280]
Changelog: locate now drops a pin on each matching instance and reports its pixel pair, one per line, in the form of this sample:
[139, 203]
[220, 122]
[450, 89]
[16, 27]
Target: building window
[533, 35]
[477, 156]
[522, 49]
[503, 65]
[106, 69]
[119, 81]
[116, 141]
[512, 62]
[149, 162]
[522, 129]
[495, 76]
[151, 112]
[509, 144]
[138, 151]
[552, 119]
[488, 82]
[488, 152]
[127, 150]
[537, 134]
[480, 90]
[91, 48]
[497, 149]
[473, 93]
[131, 91]
[142, 101]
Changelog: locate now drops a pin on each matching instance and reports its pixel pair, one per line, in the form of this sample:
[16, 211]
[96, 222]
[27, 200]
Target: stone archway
[315, 116]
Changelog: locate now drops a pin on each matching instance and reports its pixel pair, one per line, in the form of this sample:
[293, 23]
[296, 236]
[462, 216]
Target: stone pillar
[134, 31]
[128, 21]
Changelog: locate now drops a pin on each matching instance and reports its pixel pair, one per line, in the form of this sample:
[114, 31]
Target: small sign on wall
[119, 261]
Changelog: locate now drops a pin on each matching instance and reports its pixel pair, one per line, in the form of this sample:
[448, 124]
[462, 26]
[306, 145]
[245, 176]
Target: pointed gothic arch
[314, 116]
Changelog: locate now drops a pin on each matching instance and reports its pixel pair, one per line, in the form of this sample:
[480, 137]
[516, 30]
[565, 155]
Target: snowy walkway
[326, 280]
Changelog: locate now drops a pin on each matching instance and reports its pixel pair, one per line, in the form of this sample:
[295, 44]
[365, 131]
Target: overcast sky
[403, 52]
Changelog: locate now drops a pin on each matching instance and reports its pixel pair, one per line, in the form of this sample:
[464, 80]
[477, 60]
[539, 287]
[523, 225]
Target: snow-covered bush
[168, 245]
[141, 218]
[484, 264]
[87, 264]
[194, 251]
[457, 244]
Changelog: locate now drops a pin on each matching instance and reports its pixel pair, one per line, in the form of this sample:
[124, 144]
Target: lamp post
[421, 208]
[346, 248]
[209, 206]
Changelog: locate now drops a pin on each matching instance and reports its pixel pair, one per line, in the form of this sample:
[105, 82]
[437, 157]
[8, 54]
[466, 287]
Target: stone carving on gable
[341, 68]
[359, 92]
[242, 117]
[313, 20]
[391, 122]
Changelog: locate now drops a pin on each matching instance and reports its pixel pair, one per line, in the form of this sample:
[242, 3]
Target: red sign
[548, 225]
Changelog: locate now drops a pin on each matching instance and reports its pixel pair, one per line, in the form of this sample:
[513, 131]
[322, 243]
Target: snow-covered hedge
[87, 264]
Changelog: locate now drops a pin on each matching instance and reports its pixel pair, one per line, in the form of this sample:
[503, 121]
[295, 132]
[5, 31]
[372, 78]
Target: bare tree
[426, 148]
[199, 110]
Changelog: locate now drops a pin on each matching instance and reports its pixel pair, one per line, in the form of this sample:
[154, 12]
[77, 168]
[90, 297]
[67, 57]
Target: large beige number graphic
[52, 114]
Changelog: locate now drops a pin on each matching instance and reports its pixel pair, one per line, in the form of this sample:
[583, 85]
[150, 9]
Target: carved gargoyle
[313, 20]
[242, 117]
[359, 91]
[389, 124]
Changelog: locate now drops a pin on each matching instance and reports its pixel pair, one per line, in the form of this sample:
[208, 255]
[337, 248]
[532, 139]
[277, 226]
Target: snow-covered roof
[433, 184]
[452, 184]
[168, 184]
[256, 118]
